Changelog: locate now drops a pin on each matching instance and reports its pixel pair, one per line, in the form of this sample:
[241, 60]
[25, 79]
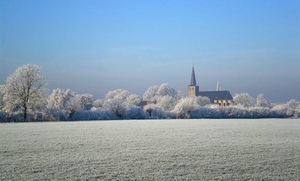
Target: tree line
[25, 97]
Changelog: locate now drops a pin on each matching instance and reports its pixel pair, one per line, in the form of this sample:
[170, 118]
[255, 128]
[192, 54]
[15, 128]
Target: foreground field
[151, 150]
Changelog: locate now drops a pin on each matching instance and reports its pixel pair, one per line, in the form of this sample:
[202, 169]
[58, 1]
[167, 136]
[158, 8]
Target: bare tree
[25, 90]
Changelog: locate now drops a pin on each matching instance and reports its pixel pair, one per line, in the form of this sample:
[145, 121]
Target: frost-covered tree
[2, 91]
[149, 109]
[166, 103]
[293, 108]
[244, 99]
[261, 101]
[164, 96]
[155, 112]
[86, 101]
[74, 105]
[98, 103]
[118, 101]
[66, 100]
[117, 94]
[289, 109]
[202, 101]
[2, 114]
[135, 112]
[25, 90]
[125, 96]
[132, 100]
[150, 93]
[185, 106]
[58, 104]
[80, 102]
[293, 104]
[59, 98]
[115, 106]
[166, 90]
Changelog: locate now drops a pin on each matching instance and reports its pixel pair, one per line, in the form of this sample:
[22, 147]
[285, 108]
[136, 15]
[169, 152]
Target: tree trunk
[25, 113]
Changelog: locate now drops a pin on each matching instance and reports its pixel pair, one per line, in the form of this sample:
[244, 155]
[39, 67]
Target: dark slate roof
[215, 95]
[193, 78]
[142, 104]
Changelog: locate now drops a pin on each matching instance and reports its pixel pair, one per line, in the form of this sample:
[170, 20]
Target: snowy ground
[151, 150]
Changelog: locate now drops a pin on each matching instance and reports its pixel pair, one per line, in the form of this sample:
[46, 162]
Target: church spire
[193, 78]
[193, 89]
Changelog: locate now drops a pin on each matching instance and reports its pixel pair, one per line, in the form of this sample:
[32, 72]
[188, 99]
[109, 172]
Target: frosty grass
[266, 149]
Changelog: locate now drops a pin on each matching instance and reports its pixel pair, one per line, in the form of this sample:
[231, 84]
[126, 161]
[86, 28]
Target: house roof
[216, 95]
[142, 104]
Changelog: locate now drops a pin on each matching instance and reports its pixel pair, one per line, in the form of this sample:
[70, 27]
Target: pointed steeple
[193, 78]
[193, 89]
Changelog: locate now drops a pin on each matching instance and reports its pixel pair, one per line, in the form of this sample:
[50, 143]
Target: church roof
[193, 78]
[216, 95]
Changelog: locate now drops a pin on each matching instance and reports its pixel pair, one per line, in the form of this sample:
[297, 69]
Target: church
[221, 97]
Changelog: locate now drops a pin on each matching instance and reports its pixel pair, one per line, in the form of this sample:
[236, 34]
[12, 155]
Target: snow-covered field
[151, 150]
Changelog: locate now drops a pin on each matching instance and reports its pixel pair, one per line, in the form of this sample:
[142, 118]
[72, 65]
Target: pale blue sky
[96, 46]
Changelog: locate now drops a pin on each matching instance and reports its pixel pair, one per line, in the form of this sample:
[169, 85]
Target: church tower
[193, 89]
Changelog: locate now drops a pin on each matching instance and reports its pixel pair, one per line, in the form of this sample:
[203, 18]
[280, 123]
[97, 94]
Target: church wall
[192, 91]
[223, 102]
